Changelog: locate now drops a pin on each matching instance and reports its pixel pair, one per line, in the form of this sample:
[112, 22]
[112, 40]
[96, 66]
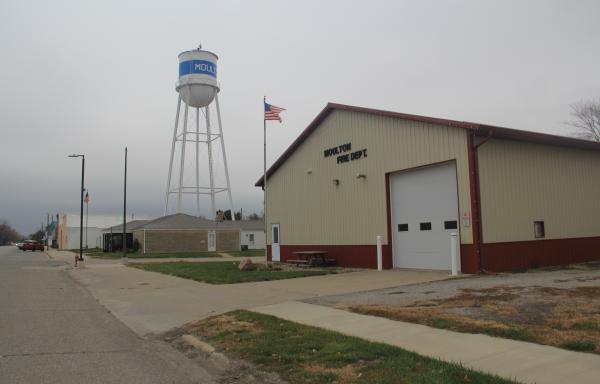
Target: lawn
[302, 354]
[138, 255]
[247, 253]
[226, 272]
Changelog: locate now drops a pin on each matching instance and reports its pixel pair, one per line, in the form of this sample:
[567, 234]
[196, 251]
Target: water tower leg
[172, 155]
[198, 162]
[210, 164]
[224, 157]
[182, 164]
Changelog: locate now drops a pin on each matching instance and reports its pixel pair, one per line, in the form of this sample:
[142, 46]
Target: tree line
[8, 234]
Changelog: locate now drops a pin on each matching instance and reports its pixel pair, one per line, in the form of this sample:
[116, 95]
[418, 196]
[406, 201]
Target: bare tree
[8, 233]
[586, 119]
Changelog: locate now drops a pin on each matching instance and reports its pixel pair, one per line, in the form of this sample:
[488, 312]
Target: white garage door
[424, 212]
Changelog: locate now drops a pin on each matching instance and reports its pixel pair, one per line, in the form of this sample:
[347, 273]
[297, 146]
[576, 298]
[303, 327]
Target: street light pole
[80, 258]
[125, 211]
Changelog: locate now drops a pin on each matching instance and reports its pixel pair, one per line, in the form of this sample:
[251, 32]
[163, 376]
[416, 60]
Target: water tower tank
[197, 77]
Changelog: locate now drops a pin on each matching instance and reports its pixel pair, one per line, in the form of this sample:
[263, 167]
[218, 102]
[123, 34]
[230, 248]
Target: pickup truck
[32, 245]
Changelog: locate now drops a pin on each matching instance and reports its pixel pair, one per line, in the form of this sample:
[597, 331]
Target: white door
[275, 239]
[212, 241]
[424, 212]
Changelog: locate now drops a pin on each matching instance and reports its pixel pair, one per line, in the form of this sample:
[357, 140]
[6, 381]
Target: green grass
[579, 345]
[302, 354]
[138, 255]
[509, 333]
[224, 272]
[248, 253]
[586, 326]
[514, 333]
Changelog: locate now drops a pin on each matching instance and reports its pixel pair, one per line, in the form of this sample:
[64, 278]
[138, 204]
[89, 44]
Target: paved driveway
[151, 302]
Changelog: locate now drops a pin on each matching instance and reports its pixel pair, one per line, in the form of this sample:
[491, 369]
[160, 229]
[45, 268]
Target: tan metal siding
[158, 241]
[523, 182]
[228, 240]
[312, 210]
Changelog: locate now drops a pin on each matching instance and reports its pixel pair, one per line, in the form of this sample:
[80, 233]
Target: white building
[68, 228]
[252, 233]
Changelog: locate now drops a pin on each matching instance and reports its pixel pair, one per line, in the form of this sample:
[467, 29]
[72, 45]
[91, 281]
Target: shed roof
[184, 221]
[477, 128]
[131, 226]
[248, 225]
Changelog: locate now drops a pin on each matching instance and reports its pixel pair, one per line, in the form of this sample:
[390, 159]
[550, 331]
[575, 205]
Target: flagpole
[265, 172]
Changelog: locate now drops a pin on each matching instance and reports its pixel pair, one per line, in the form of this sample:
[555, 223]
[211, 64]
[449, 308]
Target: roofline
[536, 137]
[480, 130]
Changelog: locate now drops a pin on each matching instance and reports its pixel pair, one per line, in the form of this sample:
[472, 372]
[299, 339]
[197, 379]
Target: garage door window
[402, 227]
[450, 224]
[426, 226]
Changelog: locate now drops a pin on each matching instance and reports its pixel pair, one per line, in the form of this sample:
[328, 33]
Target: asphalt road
[53, 331]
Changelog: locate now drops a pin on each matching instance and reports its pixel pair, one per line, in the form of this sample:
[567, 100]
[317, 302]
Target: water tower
[199, 89]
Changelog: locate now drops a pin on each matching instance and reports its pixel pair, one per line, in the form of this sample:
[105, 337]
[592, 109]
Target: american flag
[87, 197]
[272, 112]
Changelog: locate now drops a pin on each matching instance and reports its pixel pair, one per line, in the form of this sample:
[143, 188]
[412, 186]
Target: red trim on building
[475, 206]
[388, 213]
[512, 256]
[353, 256]
[500, 257]
[469, 262]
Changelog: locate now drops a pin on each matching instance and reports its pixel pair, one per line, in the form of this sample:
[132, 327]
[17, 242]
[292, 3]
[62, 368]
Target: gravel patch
[579, 275]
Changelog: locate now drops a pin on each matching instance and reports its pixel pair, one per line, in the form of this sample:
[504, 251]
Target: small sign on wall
[466, 219]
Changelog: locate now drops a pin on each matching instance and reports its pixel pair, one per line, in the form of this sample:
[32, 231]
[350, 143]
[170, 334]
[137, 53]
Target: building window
[402, 227]
[251, 237]
[538, 229]
[451, 224]
[425, 226]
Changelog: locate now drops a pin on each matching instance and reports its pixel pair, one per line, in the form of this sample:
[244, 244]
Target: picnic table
[312, 258]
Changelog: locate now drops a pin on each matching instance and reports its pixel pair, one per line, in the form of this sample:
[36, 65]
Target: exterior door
[424, 206]
[275, 239]
[212, 241]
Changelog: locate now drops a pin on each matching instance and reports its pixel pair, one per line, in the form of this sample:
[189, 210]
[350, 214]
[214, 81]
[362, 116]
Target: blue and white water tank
[197, 83]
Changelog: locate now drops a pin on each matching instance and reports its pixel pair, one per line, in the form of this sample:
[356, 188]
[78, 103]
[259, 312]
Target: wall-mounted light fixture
[336, 182]
[361, 176]
[309, 171]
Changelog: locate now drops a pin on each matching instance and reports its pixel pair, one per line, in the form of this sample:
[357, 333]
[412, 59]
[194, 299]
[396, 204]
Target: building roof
[96, 220]
[248, 225]
[131, 226]
[184, 221]
[477, 128]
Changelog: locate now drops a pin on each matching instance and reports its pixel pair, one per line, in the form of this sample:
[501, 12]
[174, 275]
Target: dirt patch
[345, 375]
[568, 318]
[226, 323]
[229, 370]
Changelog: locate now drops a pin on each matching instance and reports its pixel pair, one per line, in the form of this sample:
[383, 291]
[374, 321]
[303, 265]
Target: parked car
[18, 244]
[32, 245]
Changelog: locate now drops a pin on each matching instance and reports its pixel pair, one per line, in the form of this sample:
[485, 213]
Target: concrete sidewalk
[68, 256]
[525, 362]
[150, 302]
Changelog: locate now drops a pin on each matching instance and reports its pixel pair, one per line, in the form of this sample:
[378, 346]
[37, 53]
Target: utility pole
[80, 258]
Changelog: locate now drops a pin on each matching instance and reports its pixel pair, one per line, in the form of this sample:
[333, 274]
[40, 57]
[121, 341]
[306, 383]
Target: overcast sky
[93, 76]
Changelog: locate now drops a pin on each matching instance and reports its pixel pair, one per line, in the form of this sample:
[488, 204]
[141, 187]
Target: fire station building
[515, 199]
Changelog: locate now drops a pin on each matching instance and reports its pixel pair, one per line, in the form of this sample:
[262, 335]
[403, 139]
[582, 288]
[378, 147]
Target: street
[53, 331]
